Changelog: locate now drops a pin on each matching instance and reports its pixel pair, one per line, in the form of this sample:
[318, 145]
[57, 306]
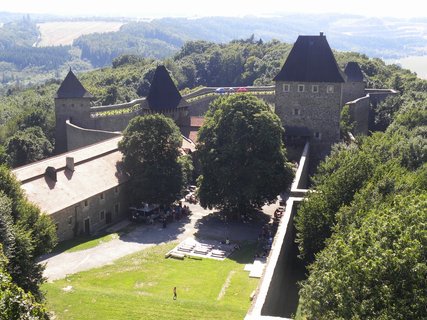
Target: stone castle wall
[70, 222]
[319, 112]
[353, 91]
[359, 115]
[78, 137]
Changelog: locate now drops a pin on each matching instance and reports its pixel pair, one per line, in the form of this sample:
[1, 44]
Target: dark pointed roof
[311, 60]
[163, 94]
[72, 88]
[353, 72]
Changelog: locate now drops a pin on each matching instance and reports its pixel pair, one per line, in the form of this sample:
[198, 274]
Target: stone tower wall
[319, 112]
[77, 110]
[353, 91]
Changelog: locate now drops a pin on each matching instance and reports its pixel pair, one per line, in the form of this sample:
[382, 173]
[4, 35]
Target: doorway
[108, 217]
[87, 226]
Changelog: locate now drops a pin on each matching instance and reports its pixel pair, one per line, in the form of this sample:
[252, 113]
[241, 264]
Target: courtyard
[129, 277]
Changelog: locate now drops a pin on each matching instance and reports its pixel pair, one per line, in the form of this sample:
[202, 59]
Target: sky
[194, 8]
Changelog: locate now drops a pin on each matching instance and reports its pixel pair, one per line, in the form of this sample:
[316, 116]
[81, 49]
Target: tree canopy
[150, 147]
[242, 156]
[15, 303]
[364, 227]
[25, 234]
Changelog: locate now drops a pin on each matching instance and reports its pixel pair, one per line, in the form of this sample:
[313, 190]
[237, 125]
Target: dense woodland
[363, 231]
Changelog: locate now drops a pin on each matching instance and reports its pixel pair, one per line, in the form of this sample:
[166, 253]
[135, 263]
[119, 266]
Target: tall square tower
[309, 90]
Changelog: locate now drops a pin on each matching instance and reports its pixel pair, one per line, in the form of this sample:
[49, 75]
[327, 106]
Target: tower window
[286, 87]
[330, 89]
[101, 195]
[102, 215]
[315, 88]
[318, 135]
[86, 203]
[301, 88]
[296, 112]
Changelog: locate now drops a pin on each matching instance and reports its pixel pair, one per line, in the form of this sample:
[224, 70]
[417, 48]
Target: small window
[70, 220]
[286, 87]
[296, 112]
[86, 203]
[102, 215]
[116, 208]
[101, 195]
[63, 104]
[116, 189]
[72, 105]
[318, 135]
[315, 88]
[301, 88]
[330, 89]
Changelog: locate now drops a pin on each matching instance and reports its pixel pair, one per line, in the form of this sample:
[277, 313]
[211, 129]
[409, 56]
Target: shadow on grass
[245, 254]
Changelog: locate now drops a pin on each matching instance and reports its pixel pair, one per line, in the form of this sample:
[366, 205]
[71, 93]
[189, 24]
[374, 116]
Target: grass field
[63, 33]
[140, 286]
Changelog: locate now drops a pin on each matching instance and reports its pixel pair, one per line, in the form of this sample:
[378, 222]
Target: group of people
[173, 213]
[265, 240]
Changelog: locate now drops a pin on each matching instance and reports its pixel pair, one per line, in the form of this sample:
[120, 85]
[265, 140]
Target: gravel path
[144, 236]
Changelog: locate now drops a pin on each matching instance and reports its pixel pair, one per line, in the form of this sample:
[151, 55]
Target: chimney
[321, 34]
[51, 173]
[69, 163]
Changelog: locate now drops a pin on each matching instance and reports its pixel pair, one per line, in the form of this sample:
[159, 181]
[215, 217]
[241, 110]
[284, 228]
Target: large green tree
[375, 271]
[242, 155]
[150, 147]
[28, 146]
[15, 303]
[25, 233]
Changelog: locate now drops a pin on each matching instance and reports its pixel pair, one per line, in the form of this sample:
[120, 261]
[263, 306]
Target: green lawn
[87, 242]
[140, 286]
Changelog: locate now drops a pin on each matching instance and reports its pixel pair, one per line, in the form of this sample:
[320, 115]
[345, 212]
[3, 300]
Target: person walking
[174, 293]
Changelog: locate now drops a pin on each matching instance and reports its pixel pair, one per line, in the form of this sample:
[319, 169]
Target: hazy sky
[192, 8]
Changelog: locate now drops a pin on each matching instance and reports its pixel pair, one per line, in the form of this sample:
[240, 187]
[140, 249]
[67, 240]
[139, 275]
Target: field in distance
[63, 33]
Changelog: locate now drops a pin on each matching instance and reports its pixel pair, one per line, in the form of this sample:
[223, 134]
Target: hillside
[87, 43]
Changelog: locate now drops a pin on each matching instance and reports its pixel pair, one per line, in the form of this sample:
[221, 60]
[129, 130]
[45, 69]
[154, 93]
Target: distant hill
[23, 64]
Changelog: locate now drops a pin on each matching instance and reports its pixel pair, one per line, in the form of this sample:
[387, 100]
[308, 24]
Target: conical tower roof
[311, 60]
[163, 94]
[71, 87]
[353, 72]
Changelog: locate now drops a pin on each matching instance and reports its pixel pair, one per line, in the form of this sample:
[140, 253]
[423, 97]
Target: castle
[309, 93]
[81, 187]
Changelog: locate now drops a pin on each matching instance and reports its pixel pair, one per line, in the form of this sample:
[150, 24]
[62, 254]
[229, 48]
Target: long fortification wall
[275, 295]
[359, 115]
[200, 99]
[78, 137]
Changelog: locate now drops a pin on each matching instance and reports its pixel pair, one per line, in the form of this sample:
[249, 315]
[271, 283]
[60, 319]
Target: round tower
[72, 102]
